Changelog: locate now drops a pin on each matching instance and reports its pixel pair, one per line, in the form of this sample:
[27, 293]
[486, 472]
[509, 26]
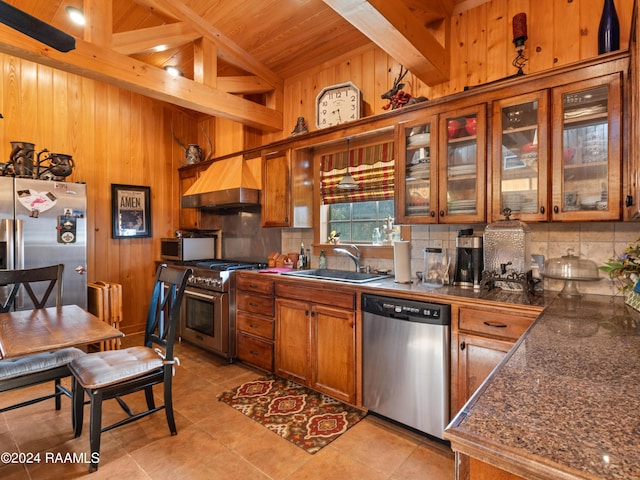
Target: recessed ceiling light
[76, 15]
[175, 71]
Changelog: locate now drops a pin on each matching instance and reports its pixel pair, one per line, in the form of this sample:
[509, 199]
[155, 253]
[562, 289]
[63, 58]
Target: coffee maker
[469, 260]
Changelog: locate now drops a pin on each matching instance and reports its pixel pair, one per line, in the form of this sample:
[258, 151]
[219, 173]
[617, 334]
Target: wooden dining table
[42, 330]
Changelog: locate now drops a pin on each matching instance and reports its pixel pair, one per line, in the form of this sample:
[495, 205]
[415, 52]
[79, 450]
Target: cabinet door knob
[442, 213]
[542, 209]
[286, 219]
[555, 209]
[463, 346]
[433, 214]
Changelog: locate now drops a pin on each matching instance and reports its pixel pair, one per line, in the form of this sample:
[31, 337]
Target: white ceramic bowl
[421, 140]
[589, 199]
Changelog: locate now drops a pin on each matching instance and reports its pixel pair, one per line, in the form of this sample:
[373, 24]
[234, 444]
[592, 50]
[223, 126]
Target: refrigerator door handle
[19, 243]
[6, 237]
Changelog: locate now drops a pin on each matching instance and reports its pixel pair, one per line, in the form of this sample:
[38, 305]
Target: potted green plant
[625, 272]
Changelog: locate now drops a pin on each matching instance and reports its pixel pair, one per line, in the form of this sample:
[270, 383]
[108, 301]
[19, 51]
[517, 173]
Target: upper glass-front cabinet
[520, 146]
[416, 171]
[440, 168]
[462, 166]
[586, 150]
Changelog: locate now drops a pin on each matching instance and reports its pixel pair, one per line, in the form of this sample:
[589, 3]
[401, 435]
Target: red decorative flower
[287, 405]
[254, 389]
[327, 425]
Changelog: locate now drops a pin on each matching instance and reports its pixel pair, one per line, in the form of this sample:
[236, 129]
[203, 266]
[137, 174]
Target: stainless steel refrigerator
[43, 223]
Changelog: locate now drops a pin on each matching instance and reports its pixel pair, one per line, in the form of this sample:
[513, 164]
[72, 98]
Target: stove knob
[217, 282]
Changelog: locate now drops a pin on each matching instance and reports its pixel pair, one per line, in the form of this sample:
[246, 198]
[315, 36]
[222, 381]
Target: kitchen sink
[337, 275]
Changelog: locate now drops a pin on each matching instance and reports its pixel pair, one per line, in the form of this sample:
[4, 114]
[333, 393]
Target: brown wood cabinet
[316, 338]
[632, 92]
[520, 139]
[276, 197]
[441, 167]
[287, 193]
[587, 162]
[483, 336]
[555, 144]
[255, 320]
[479, 470]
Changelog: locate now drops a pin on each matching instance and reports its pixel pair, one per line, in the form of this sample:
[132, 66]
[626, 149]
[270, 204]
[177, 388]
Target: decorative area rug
[309, 419]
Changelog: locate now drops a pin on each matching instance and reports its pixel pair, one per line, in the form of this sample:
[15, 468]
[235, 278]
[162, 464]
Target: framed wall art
[130, 211]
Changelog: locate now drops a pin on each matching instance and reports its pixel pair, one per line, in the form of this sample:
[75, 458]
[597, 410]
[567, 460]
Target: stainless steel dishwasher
[406, 361]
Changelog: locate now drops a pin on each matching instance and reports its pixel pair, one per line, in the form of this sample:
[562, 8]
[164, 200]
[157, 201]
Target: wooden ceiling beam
[109, 66]
[153, 39]
[99, 16]
[205, 62]
[228, 51]
[152, 6]
[243, 84]
[394, 28]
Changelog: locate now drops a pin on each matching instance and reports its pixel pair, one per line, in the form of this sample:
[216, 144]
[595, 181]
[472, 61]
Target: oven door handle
[191, 293]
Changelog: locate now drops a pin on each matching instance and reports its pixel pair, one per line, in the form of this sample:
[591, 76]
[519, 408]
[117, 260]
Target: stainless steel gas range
[208, 310]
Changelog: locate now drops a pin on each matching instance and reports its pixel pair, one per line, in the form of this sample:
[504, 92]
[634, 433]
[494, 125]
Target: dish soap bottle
[301, 261]
[322, 263]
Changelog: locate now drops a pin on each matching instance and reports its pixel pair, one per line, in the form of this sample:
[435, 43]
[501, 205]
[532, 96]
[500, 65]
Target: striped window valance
[372, 168]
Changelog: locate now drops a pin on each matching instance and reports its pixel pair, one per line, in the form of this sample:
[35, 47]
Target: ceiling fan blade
[36, 28]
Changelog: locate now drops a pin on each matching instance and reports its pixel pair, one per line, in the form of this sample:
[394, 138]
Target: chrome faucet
[355, 258]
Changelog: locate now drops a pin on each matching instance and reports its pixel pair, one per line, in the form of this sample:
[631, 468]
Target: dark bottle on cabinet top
[609, 30]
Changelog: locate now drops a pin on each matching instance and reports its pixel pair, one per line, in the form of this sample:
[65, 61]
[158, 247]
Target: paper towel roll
[402, 261]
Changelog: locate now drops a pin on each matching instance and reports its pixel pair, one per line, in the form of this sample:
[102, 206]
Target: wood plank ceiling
[228, 49]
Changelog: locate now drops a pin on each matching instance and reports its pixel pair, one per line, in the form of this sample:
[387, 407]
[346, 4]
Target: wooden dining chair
[31, 288]
[113, 374]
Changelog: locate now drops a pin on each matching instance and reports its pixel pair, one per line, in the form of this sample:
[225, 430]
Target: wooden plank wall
[114, 136]
[560, 32]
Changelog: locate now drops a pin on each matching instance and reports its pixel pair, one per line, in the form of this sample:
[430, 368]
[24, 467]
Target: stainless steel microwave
[184, 249]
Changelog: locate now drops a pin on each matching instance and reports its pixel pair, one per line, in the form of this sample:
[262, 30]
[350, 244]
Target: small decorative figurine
[301, 127]
[193, 153]
[398, 97]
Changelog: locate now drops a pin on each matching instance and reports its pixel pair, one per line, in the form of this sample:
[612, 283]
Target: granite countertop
[416, 290]
[565, 402]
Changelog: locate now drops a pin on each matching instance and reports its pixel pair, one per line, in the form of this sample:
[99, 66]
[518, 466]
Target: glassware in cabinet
[416, 171]
[520, 144]
[586, 155]
[462, 167]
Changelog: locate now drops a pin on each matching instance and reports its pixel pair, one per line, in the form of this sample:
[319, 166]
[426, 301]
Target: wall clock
[337, 104]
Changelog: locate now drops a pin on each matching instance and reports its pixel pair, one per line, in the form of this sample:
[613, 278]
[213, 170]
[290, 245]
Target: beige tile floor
[213, 442]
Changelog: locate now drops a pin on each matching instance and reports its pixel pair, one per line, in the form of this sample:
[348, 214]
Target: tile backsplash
[596, 241]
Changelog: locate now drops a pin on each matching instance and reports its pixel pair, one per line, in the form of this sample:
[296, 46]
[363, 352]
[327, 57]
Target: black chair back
[27, 278]
[164, 309]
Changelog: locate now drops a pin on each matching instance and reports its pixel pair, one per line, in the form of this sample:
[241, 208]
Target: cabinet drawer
[254, 303]
[255, 283]
[500, 324]
[261, 327]
[255, 351]
[332, 296]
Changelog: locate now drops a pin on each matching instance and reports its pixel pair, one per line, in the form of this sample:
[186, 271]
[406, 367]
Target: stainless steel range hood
[228, 183]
